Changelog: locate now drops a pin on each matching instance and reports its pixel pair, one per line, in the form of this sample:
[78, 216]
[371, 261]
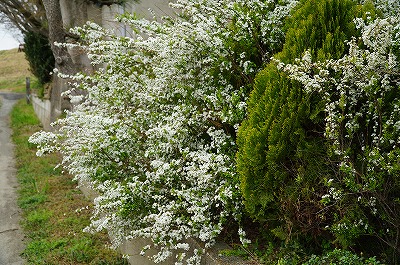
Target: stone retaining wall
[42, 109]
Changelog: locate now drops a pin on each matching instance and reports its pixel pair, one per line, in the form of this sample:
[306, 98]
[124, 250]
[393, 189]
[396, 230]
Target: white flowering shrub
[387, 7]
[361, 96]
[155, 131]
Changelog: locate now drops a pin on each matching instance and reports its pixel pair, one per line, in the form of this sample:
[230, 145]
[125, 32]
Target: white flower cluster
[155, 131]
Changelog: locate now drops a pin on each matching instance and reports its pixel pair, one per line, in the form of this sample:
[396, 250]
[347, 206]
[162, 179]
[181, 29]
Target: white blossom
[152, 135]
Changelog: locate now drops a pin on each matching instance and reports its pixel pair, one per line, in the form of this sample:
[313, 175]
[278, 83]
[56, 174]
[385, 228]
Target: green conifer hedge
[282, 155]
[39, 55]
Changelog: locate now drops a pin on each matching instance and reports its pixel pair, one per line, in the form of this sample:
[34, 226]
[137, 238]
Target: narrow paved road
[11, 237]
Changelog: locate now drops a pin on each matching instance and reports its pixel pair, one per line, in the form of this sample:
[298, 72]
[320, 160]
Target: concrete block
[42, 108]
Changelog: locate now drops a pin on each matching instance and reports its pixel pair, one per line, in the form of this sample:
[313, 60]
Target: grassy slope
[13, 70]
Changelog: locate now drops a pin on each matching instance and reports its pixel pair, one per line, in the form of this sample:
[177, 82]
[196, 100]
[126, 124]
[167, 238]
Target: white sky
[7, 41]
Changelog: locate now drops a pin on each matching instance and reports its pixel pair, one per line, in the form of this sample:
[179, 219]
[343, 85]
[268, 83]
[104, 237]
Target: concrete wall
[211, 257]
[76, 13]
[43, 110]
[160, 8]
[142, 9]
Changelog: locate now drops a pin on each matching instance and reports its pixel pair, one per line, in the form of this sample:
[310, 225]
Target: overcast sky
[7, 41]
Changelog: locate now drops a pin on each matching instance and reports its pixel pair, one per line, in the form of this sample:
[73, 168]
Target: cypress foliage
[282, 156]
[39, 55]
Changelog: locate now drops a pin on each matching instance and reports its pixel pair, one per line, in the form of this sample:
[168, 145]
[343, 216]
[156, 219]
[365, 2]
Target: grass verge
[54, 211]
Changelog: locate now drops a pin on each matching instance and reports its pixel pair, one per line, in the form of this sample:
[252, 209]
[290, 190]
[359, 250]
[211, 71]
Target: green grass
[49, 201]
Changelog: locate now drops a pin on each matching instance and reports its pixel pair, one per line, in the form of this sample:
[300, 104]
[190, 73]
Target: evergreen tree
[39, 55]
[282, 158]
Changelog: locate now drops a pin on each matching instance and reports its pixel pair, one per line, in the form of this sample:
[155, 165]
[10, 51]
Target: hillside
[13, 70]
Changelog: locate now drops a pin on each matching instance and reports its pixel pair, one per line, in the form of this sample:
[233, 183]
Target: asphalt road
[11, 237]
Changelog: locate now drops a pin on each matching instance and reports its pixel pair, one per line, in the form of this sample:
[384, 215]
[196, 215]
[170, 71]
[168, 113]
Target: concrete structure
[77, 13]
[42, 109]
[211, 257]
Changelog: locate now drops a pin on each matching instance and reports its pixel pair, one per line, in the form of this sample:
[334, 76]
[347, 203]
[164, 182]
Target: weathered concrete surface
[42, 109]
[11, 237]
